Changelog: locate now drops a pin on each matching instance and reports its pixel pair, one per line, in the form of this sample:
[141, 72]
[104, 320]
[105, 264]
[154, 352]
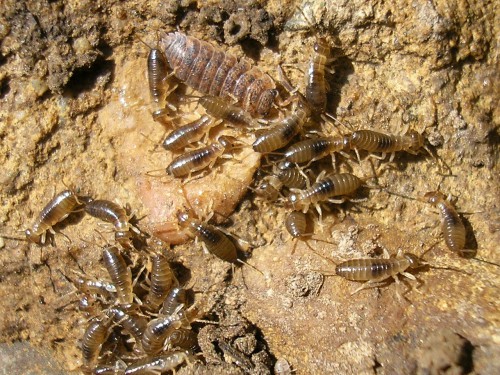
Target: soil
[75, 111]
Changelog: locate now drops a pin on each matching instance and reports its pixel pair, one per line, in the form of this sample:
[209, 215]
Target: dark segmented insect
[211, 71]
[158, 364]
[54, 212]
[93, 339]
[202, 158]
[175, 298]
[192, 132]
[296, 224]
[291, 176]
[222, 108]
[324, 189]
[114, 214]
[375, 271]
[316, 84]
[269, 188]
[216, 242]
[184, 339]
[119, 273]
[157, 331]
[162, 281]
[281, 132]
[314, 149]
[134, 325]
[451, 225]
[158, 74]
[371, 141]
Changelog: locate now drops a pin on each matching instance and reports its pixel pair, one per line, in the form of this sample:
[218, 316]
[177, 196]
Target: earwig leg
[370, 284]
[337, 201]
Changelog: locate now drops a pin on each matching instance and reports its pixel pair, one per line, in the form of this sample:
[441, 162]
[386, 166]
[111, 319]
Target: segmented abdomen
[371, 141]
[211, 71]
[370, 269]
[452, 227]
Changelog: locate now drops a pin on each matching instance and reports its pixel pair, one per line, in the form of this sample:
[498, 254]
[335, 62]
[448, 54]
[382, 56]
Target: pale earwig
[58, 209]
[185, 135]
[157, 331]
[114, 214]
[93, 339]
[451, 225]
[314, 149]
[210, 71]
[196, 160]
[98, 287]
[223, 109]
[376, 271]
[324, 189]
[371, 141]
[119, 273]
[162, 281]
[158, 364]
[281, 132]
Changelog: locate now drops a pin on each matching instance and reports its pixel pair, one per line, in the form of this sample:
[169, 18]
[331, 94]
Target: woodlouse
[211, 71]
